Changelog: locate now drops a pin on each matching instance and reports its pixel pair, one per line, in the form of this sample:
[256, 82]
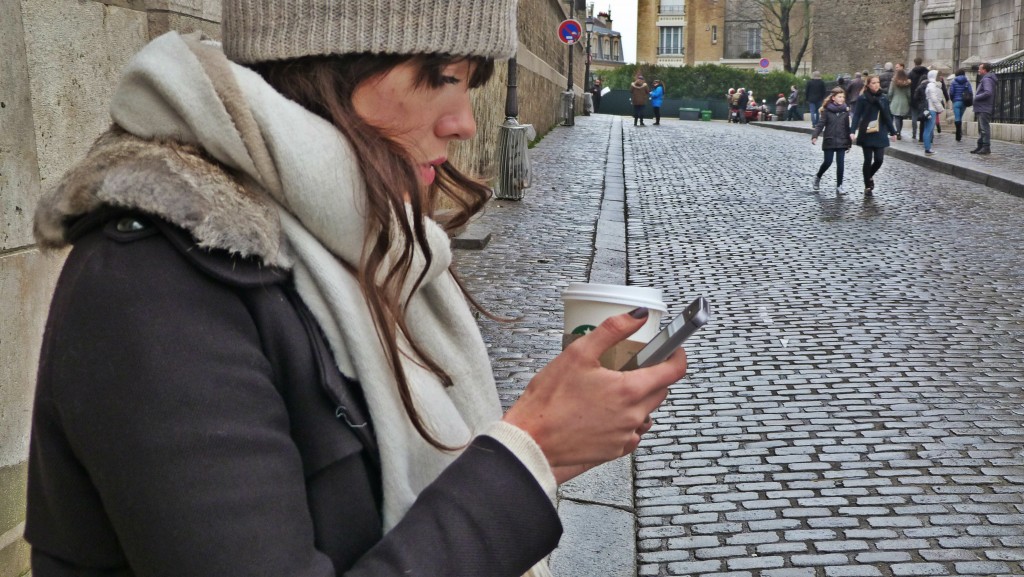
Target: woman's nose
[459, 124]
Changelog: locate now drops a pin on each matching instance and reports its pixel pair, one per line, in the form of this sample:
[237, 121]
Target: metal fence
[1009, 101]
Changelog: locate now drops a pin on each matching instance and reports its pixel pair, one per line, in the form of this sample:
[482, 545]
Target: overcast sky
[623, 22]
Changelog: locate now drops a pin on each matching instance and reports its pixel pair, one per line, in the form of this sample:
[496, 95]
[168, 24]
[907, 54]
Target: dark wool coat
[190, 421]
[865, 111]
[815, 91]
[835, 126]
[985, 97]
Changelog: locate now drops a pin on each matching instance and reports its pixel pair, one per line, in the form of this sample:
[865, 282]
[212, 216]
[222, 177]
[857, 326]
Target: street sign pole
[569, 32]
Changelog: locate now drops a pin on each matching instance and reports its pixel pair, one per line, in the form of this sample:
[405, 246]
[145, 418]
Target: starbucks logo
[583, 329]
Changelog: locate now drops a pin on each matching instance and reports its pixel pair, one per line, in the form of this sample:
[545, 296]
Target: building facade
[705, 39]
[605, 44]
[661, 32]
[737, 33]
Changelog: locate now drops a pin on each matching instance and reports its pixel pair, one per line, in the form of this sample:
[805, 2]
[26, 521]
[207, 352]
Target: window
[670, 40]
[672, 7]
[754, 40]
[714, 33]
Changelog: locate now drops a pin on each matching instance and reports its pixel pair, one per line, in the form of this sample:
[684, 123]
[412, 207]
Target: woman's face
[422, 118]
[874, 85]
[839, 98]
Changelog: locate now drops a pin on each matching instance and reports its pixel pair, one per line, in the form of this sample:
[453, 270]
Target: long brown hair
[901, 79]
[324, 85]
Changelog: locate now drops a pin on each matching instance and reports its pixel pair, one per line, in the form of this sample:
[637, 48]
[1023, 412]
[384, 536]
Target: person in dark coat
[638, 97]
[595, 94]
[874, 127]
[917, 104]
[885, 78]
[793, 111]
[814, 94]
[834, 126]
[984, 105]
[855, 87]
[258, 360]
[741, 105]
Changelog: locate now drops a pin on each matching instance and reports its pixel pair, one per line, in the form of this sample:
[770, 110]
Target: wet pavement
[855, 406]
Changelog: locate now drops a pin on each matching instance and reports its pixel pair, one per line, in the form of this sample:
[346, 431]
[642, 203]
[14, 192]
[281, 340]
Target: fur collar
[173, 181]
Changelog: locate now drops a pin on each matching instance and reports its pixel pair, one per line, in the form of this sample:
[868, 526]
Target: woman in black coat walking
[834, 125]
[873, 125]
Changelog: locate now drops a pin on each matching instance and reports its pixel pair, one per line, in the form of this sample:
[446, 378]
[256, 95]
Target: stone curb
[1000, 183]
[596, 508]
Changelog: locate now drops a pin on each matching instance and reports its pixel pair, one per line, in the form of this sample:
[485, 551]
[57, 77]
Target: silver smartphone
[672, 336]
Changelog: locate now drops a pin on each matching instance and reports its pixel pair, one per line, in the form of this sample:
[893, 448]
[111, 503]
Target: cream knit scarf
[182, 88]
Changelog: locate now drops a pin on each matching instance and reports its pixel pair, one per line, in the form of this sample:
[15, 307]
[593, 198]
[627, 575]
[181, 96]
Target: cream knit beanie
[262, 30]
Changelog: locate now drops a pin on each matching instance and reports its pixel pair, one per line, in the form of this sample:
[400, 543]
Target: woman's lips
[427, 173]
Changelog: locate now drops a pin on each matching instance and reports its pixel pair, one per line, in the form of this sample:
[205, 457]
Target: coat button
[130, 224]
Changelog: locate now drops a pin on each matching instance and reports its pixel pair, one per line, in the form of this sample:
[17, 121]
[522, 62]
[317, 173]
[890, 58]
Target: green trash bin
[705, 115]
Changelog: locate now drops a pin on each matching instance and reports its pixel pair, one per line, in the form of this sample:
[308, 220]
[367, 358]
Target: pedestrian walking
[595, 94]
[741, 105]
[794, 99]
[899, 98]
[873, 124]
[885, 78]
[834, 127]
[933, 107]
[984, 105]
[638, 97]
[814, 95]
[657, 97]
[780, 106]
[258, 360]
[855, 87]
[962, 95]
[733, 99]
[917, 103]
[945, 99]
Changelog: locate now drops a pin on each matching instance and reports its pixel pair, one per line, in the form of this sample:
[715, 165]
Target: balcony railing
[678, 51]
[674, 9]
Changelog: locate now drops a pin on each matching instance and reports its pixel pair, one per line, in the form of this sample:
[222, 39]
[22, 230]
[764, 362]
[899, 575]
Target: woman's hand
[814, 140]
[582, 414]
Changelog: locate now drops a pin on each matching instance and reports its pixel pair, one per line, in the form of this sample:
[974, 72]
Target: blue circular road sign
[570, 31]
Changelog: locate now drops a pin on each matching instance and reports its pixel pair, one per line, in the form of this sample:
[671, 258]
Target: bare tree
[785, 25]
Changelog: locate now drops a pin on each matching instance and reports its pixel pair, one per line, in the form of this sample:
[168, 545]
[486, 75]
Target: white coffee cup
[587, 305]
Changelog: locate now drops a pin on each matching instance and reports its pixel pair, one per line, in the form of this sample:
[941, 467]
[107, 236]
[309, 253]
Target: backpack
[968, 96]
[919, 94]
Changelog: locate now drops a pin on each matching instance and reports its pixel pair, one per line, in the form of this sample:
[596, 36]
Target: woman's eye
[450, 80]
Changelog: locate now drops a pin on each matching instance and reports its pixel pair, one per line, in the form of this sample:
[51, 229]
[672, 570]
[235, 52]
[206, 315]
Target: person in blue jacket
[657, 97]
[960, 92]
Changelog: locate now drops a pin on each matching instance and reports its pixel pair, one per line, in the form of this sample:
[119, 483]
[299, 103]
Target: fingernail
[639, 313]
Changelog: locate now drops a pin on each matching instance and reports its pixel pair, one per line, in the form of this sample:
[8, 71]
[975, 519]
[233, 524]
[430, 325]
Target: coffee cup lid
[616, 294]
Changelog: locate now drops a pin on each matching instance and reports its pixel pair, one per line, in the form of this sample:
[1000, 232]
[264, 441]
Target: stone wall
[856, 34]
[60, 63]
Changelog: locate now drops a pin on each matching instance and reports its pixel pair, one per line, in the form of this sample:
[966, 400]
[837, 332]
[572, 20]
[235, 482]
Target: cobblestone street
[854, 408]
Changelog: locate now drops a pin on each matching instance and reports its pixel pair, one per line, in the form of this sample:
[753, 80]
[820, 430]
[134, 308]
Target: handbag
[967, 98]
[872, 127]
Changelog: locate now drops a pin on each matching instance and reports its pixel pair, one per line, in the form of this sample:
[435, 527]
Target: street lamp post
[587, 84]
[568, 97]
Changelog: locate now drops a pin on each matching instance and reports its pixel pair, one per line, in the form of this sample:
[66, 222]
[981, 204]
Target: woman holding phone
[258, 360]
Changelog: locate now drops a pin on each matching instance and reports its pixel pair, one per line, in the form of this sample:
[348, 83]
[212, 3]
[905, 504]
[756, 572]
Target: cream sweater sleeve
[526, 450]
